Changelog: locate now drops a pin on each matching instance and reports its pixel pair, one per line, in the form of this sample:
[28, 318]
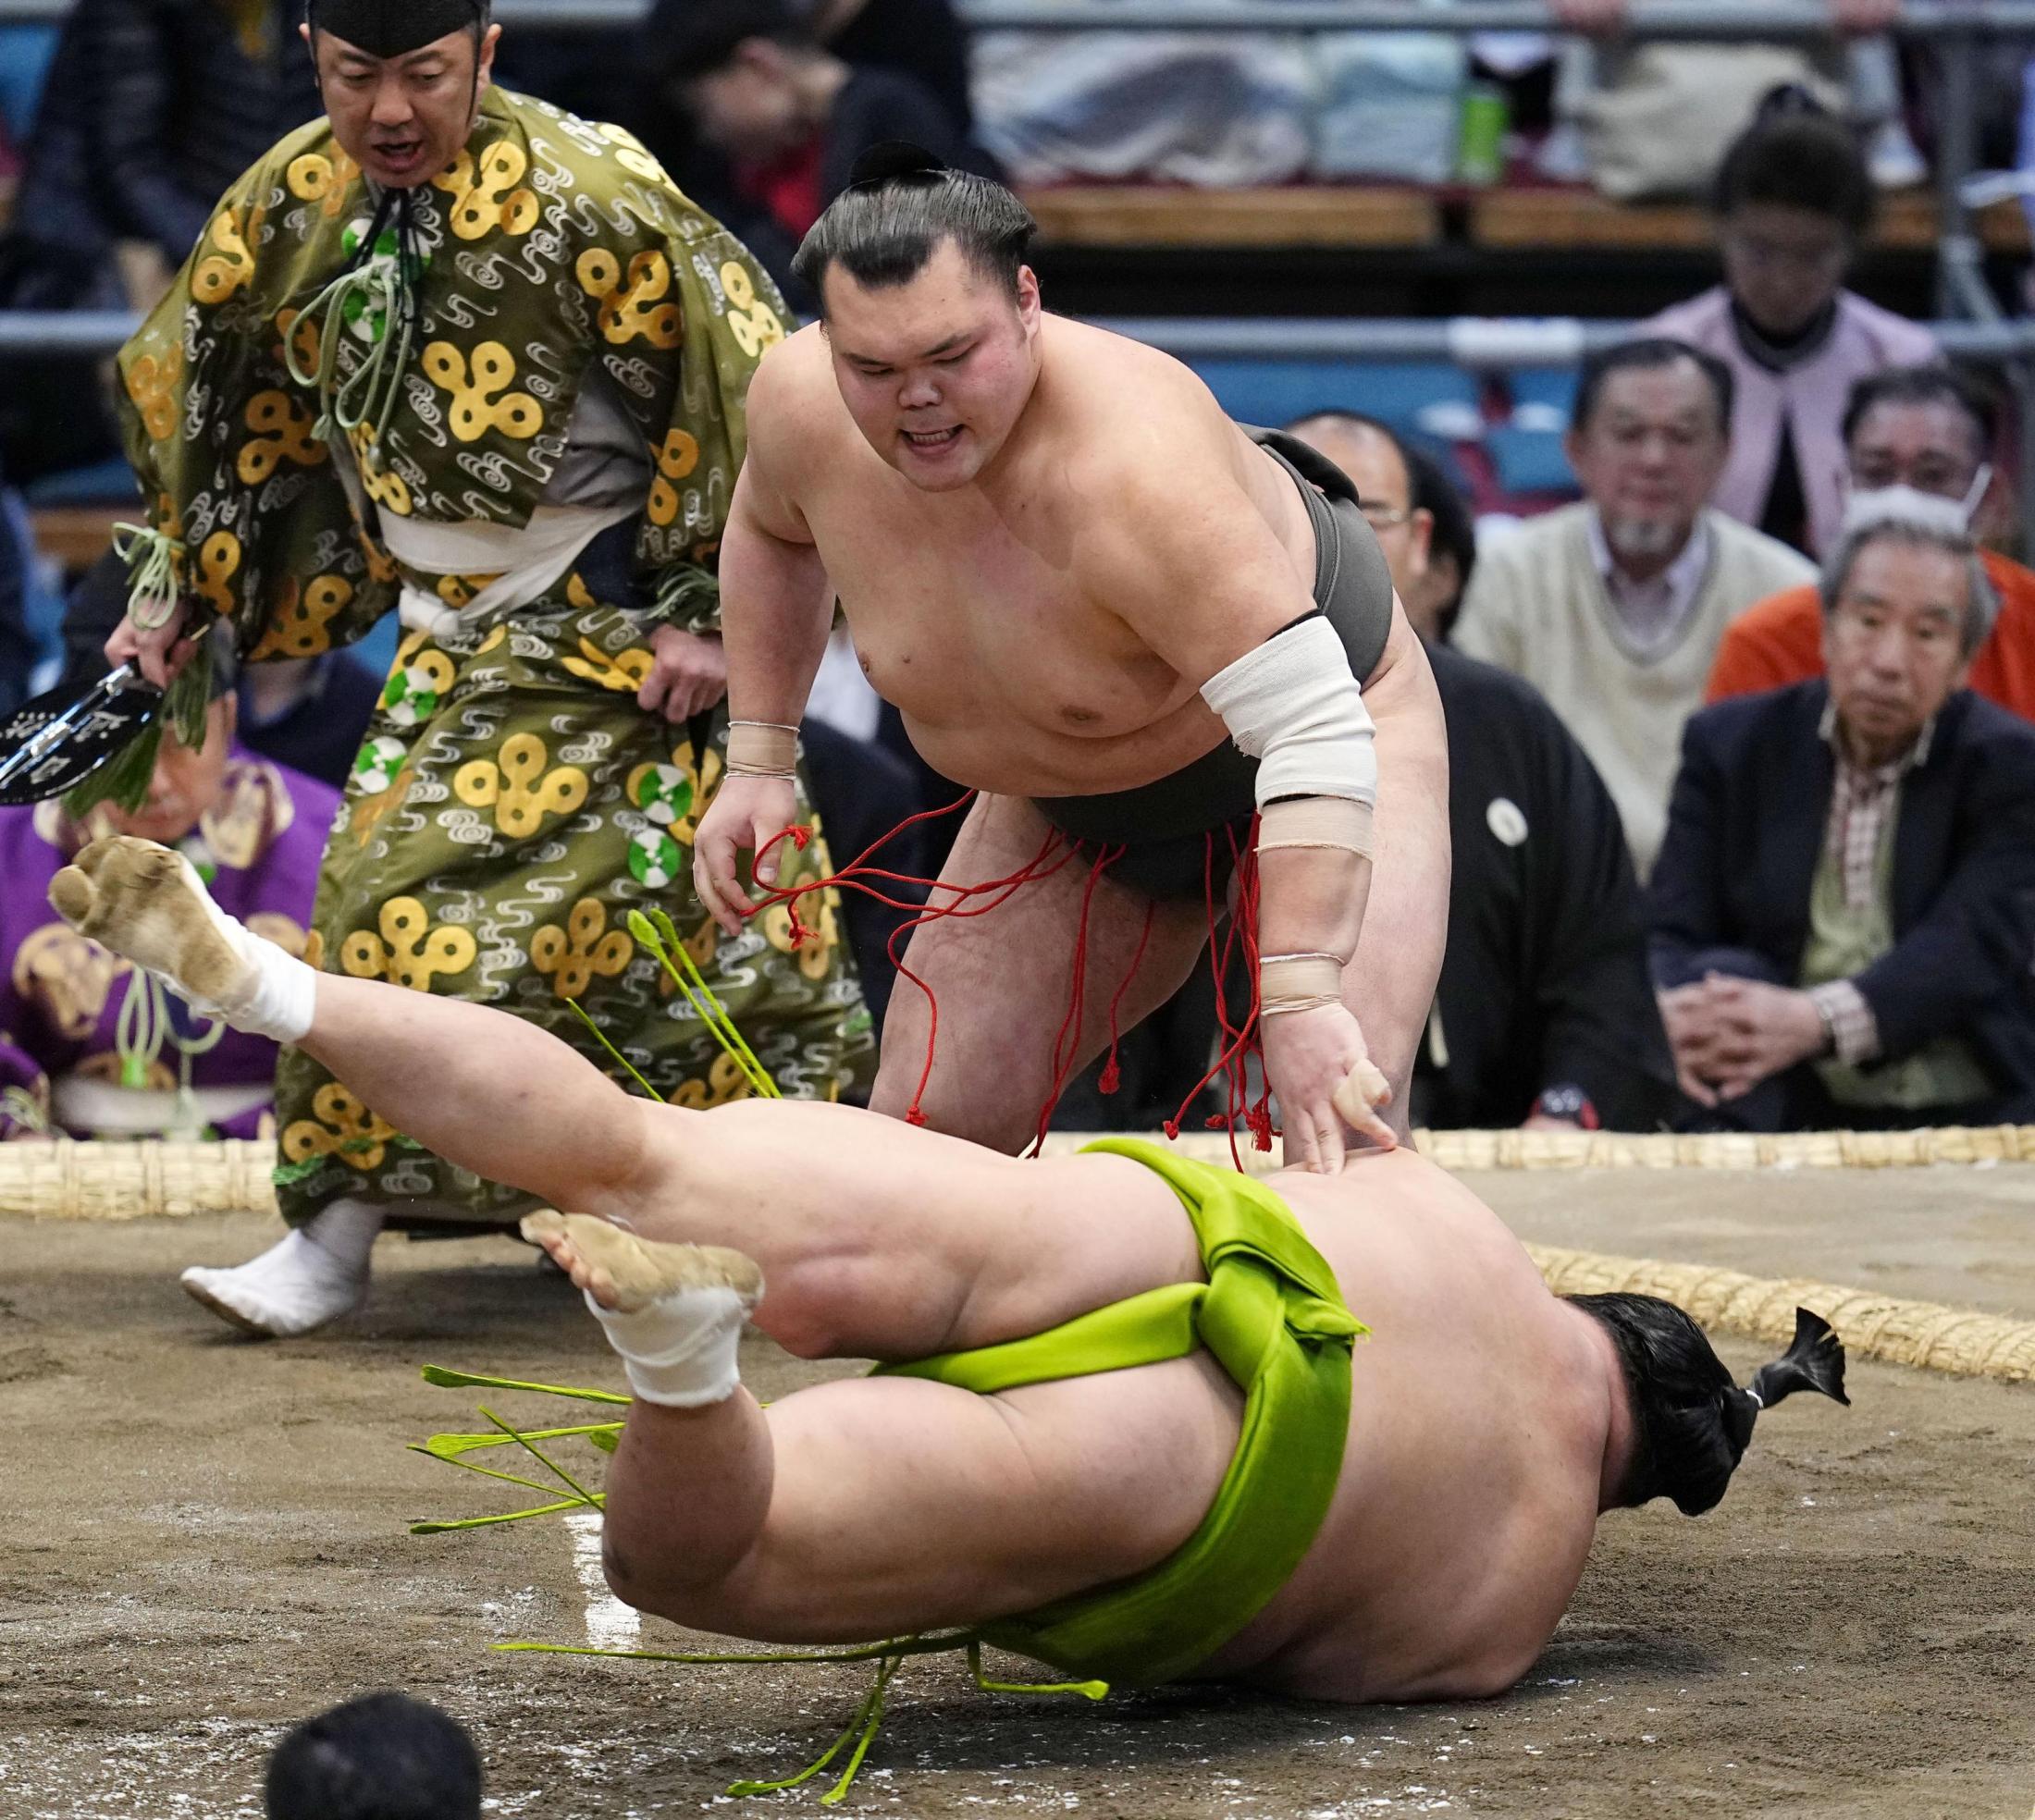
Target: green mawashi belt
[1270, 1313]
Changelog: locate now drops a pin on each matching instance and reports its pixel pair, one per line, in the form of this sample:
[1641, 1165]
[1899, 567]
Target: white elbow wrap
[1293, 706]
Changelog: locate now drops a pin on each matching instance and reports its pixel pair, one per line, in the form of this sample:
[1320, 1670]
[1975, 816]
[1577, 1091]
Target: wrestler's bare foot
[147, 904]
[673, 1312]
[627, 1273]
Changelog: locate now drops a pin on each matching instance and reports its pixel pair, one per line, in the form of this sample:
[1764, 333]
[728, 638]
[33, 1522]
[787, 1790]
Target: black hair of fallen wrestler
[384, 1756]
[885, 228]
[1691, 1423]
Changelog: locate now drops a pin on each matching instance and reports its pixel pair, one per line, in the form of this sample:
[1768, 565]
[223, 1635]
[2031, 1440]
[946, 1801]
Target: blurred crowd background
[1720, 580]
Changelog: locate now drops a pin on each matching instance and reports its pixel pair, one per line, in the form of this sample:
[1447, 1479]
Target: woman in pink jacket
[1793, 201]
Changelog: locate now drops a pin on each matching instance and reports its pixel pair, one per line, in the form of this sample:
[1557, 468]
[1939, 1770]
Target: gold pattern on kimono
[369, 811]
[313, 950]
[326, 181]
[625, 673]
[217, 278]
[300, 626]
[218, 563]
[632, 307]
[285, 932]
[815, 953]
[381, 566]
[282, 430]
[251, 811]
[675, 460]
[724, 1082]
[408, 952]
[753, 322]
[491, 199]
[632, 154]
[520, 790]
[339, 1126]
[458, 591]
[482, 401]
[151, 384]
[701, 944]
[571, 956]
[300, 333]
[383, 486]
[577, 593]
[157, 1076]
[68, 976]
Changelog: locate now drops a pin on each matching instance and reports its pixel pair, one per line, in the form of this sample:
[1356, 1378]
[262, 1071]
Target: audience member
[305, 714]
[1794, 200]
[88, 1045]
[788, 115]
[922, 39]
[1544, 1014]
[1434, 596]
[1613, 608]
[1844, 912]
[149, 112]
[1919, 426]
[384, 1756]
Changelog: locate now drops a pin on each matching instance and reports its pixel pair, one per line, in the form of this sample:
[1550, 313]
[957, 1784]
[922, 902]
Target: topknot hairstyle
[884, 228]
[1692, 1421]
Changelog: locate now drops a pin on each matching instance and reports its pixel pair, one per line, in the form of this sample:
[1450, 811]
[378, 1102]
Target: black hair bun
[895, 161]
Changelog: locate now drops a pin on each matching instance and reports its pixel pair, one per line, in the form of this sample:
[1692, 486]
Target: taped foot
[149, 905]
[291, 1289]
[673, 1313]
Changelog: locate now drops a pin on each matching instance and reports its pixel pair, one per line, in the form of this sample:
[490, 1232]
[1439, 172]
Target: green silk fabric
[1273, 1317]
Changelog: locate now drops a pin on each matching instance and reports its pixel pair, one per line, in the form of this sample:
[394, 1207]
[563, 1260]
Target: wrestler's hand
[160, 653]
[1321, 1072]
[745, 814]
[688, 673]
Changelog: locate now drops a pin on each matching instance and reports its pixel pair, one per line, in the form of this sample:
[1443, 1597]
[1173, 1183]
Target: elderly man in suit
[1844, 910]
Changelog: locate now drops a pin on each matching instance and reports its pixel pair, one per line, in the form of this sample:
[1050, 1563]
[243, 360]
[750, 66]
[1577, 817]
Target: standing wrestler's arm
[776, 609]
[1183, 555]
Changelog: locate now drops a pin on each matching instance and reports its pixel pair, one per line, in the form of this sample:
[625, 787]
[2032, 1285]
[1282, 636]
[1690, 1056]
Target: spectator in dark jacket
[1844, 910]
[785, 116]
[17, 643]
[151, 108]
[1543, 1015]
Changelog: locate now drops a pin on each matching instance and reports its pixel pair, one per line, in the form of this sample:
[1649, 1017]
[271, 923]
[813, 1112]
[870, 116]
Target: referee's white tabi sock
[673, 1313]
[315, 1274]
[149, 904]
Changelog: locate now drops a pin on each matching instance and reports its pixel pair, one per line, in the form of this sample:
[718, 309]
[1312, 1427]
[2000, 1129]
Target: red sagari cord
[1240, 1041]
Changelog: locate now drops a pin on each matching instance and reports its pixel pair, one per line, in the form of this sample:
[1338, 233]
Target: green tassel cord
[859, 1734]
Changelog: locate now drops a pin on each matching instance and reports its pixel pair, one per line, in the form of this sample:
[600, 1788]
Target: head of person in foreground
[1691, 1422]
[931, 313]
[384, 1756]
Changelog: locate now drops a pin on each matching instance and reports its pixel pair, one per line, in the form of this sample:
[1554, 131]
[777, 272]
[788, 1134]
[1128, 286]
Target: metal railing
[1478, 343]
[1958, 30]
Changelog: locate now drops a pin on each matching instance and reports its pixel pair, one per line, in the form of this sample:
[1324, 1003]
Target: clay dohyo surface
[204, 1541]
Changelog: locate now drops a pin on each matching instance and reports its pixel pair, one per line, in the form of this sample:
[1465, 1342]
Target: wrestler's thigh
[883, 1240]
[1004, 982]
[899, 1506]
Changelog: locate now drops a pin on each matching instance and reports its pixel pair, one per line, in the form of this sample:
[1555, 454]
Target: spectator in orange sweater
[1924, 427]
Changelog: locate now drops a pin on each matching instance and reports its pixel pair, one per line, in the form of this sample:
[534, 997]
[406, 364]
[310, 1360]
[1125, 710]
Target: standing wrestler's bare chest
[968, 613]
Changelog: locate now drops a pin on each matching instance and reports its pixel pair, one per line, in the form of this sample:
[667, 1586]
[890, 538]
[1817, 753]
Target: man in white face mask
[1923, 427]
[1613, 608]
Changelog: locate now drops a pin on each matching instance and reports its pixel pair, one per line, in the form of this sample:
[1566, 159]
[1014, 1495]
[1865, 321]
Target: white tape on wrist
[1293, 706]
[1297, 982]
[681, 1350]
[763, 748]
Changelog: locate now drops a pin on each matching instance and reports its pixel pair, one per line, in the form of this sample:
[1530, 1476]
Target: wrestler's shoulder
[1135, 414]
[792, 399]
